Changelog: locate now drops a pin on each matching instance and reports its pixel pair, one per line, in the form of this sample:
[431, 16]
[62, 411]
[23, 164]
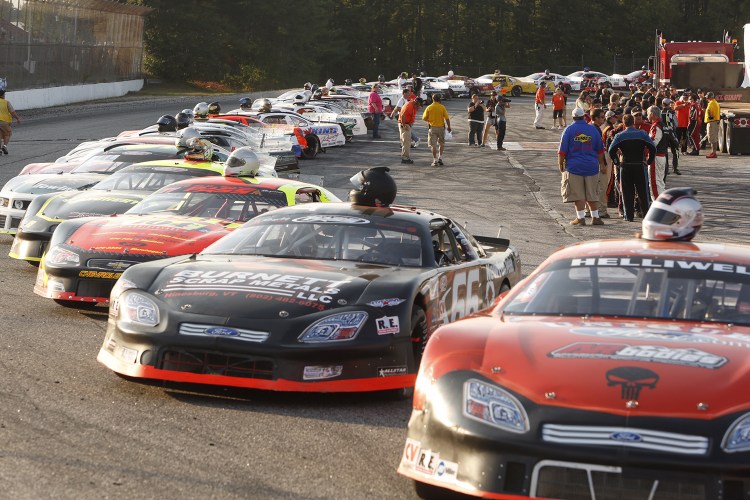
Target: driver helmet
[676, 215]
[264, 105]
[363, 80]
[546, 72]
[299, 99]
[348, 82]
[307, 86]
[374, 187]
[242, 161]
[185, 135]
[214, 108]
[200, 111]
[246, 103]
[188, 112]
[199, 150]
[166, 123]
[381, 78]
[183, 120]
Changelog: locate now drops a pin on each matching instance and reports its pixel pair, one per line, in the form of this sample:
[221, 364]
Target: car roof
[394, 212]
[172, 165]
[261, 182]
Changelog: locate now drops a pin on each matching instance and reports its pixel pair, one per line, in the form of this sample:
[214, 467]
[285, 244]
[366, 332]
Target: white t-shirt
[329, 84]
[401, 82]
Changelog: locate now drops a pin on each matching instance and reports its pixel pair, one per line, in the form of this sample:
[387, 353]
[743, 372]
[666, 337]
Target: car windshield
[326, 237]
[148, 180]
[534, 76]
[576, 74]
[237, 203]
[112, 161]
[655, 288]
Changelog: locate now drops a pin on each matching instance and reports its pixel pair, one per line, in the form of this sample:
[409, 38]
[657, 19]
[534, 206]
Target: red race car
[617, 369]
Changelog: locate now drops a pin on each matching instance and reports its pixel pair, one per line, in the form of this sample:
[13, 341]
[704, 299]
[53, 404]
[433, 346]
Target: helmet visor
[661, 216]
[235, 162]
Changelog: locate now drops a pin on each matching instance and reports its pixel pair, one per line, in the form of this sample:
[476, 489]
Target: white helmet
[184, 135]
[264, 105]
[674, 216]
[201, 110]
[450, 73]
[200, 150]
[242, 161]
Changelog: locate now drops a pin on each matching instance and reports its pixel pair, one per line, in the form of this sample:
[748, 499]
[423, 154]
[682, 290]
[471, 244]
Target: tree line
[263, 44]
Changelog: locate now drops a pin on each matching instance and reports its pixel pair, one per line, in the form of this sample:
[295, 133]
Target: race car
[314, 298]
[512, 85]
[588, 80]
[87, 255]
[465, 86]
[617, 369]
[552, 79]
[20, 191]
[115, 195]
[633, 78]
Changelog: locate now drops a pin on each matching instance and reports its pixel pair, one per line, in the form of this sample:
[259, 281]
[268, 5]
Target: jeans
[475, 129]
[500, 125]
[375, 125]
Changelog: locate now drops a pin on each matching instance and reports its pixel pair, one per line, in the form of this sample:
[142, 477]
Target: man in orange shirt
[405, 123]
[539, 104]
[558, 109]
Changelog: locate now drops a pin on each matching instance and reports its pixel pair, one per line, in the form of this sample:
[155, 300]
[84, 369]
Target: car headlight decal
[494, 406]
[335, 328]
[139, 309]
[58, 255]
[737, 437]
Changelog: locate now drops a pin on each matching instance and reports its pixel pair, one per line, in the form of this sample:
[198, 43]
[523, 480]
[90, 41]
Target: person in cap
[580, 159]
[540, 104]
[405, 123]
[712, 117]
[375, 108]
[438, 120]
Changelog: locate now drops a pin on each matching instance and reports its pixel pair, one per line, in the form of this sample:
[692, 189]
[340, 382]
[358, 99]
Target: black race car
[331, 297]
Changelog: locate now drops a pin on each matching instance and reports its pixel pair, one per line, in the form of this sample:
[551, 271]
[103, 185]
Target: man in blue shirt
[581, 159]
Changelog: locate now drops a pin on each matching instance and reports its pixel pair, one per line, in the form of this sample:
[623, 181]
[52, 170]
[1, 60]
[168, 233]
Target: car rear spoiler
[493, 242]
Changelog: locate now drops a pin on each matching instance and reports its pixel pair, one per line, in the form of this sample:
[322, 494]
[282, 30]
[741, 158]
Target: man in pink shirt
[375, 107]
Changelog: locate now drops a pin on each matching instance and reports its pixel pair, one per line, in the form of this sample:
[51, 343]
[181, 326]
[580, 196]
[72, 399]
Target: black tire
[33, 263]
[516, 91]
[418, 334]
[313, 147]
[77, 304]
[428, 491]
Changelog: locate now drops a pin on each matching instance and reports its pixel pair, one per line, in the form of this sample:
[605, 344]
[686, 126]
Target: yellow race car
[506, 84]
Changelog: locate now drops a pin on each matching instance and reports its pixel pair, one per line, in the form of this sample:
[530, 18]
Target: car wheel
[516, 91]
[34, 263]
[418, 334]
[77, 304]
[313, 147]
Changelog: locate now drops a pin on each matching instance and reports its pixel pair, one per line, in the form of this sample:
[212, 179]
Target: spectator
[406, 96]
[476, 120]
[437, 119]
[329, 84]
[694, 126]
[489, 122]
[405, 123]
[501, 121]
[682, 111]
[375, 107]
[7, 113]
[626, 151]
[657, 168]
[417, 83]
[558, 108]
[581, 159]
[540, 103]
[713, 115]
[608, 189]
[582, 102]
[402, 80]
[598, 119]
[669, 124]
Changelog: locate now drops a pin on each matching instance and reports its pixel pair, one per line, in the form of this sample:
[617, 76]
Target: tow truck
[711, 66]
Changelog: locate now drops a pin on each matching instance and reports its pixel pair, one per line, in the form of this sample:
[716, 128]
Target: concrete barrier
[57, 96]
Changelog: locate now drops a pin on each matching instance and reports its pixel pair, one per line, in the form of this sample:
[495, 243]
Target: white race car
[582, 80]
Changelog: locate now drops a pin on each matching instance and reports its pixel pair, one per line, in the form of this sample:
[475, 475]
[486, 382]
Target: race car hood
[74, 204]
[49, 168]
[263, 287]
[160, 235]
[653, 367]
[51, 183]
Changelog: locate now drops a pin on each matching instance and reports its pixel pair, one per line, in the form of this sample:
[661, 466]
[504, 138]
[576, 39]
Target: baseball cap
[710, 95]
[609, 114]
[577, 113]
[637, 110]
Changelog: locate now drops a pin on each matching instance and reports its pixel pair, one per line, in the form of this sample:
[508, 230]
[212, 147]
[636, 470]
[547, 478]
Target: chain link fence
[49, 43]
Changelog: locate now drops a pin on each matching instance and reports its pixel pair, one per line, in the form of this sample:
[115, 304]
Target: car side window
[466, 243]
[275, 120]
[306, 196]
[445, 247]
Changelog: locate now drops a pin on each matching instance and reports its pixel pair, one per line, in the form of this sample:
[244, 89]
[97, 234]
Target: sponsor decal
[387, 325]
[321, 372]
[628, 437]
[391, 371]
[649, 353]
[289, 288]
[631, 380]
[221, 189]
[663, 333]
[427, 461]
[582, 138]
[50, 187]
[220, 331]
[386, 302]
[446, 471]
[99, 274]
[331, 219]
[411, 451]
[687, 265]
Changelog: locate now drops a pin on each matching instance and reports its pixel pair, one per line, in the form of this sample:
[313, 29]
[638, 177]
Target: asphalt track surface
[69, 428]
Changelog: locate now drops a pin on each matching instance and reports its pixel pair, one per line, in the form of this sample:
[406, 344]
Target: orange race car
[617, 369]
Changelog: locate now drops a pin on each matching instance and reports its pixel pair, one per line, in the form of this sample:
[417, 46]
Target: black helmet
[167, 123]
[381, 78]
[183, 120]
[246, 103]
[214, 108]
[374, 187]
[546, 72]
[348, 82]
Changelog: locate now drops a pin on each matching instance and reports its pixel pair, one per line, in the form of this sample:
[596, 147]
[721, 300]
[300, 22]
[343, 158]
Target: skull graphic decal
[631, 380]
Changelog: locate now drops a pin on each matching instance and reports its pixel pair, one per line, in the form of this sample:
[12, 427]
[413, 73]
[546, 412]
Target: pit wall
[58, 96]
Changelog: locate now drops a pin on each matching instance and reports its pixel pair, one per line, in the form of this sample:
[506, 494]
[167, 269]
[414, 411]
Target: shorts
[5, 129]
[489, 121]
[579, 187]
[712, 130]
[435, 136]
[557, 113]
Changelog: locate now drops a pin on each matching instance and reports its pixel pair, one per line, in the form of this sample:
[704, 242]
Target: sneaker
[416, 143]
[710, 155]
[540, 128]
[676, 171]
[603, 216]
[5, 149]
[597, 221]
[407, 160]
[481, 145]
[434, 163]
[440, 161]
[578, 222]
[501, 149]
